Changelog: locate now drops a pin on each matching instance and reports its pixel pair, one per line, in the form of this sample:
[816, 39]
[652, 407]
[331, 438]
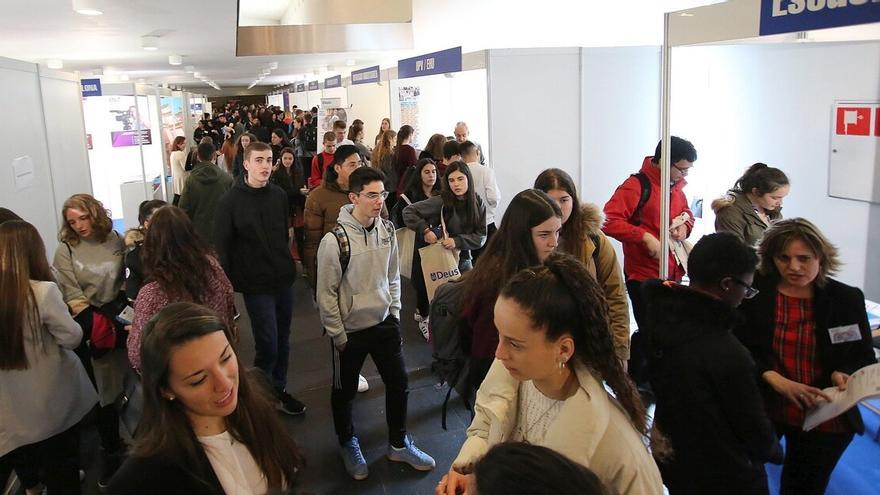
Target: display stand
[745, 96]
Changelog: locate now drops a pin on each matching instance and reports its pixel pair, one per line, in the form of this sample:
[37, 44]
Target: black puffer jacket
[708, 401]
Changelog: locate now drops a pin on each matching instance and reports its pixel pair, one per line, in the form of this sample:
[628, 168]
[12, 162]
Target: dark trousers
[418, 279]
[638, 354]
[384, 345]
[270, 316]
[810, 458]
[490, 231]
[55, 458]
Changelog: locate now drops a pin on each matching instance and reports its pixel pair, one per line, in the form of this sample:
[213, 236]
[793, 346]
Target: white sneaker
[417, 316]
[423, 327]
[363, 385]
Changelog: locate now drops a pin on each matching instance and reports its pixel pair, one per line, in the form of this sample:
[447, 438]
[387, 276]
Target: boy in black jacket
[250, 235]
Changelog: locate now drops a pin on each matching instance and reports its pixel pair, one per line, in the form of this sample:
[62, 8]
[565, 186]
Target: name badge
[846, 333]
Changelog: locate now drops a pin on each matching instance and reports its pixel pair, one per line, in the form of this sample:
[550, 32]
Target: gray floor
[309, 380]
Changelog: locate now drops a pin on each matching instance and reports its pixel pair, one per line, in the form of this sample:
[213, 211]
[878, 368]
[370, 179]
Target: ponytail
[562, 297]
[761, 177]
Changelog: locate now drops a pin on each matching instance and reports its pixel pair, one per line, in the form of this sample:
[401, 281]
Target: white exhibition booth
[43, 158]
[126, 169]
[744, 98]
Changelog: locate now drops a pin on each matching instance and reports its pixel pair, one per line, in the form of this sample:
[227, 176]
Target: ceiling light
[124, 77]
[273, 65]
[87, 7]
[686, 14]
[150, 43]
[197, 75]
[110, 71]
[54, 64]
[175, 59]
[190, 68]
[349, 62]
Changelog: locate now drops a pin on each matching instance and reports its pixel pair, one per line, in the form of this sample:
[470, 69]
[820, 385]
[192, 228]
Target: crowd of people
[733, 360]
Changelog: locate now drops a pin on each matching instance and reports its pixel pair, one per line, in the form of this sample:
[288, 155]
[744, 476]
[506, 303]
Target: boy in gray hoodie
[358, 293]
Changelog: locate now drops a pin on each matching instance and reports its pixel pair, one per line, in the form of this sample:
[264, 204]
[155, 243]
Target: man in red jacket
[638, 229]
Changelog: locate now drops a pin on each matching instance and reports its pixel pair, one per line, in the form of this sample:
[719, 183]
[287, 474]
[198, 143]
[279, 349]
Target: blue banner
[90, 87]
[364, 76]
[432, 63]
[788, 16]
[313, 85]
[300, 87]
[333, 82]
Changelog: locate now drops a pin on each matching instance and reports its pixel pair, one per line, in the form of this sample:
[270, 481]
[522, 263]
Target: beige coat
[591, 429]
[609, 276]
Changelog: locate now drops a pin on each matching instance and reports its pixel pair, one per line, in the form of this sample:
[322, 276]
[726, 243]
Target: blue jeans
[270, 316]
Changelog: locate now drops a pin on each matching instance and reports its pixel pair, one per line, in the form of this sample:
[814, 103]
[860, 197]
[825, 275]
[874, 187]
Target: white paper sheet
[863, 384]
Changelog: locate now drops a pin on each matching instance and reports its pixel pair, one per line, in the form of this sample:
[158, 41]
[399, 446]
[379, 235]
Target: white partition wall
[370, 103]
[313, 98]
[42, 157]
[68, 158]
[301, 100]
[533, 115]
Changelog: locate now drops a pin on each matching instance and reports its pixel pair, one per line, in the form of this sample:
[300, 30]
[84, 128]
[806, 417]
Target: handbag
[439, 265]
[406, 240]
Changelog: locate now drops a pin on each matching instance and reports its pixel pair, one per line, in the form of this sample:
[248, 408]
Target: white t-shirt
[486, 187]
[234, 465]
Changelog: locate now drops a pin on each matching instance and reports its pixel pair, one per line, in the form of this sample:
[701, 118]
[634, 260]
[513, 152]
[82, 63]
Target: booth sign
[300, 88]
[364, 76]
[432, 63]
[333, 82]
[90, 87]
[313, 85]
[788, 16]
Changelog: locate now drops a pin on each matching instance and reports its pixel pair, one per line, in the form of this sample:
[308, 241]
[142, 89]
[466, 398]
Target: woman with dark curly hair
[181, 267]
[554, 359]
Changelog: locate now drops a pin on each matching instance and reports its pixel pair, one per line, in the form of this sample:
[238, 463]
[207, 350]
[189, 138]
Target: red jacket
[638, 264]
[317, 174]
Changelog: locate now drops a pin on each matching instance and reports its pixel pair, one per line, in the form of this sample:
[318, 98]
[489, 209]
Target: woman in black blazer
[207, 428]
[806, 332]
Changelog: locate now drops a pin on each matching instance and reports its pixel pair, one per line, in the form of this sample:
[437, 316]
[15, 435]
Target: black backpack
[451, 362]
[310, 138]
[636, 218]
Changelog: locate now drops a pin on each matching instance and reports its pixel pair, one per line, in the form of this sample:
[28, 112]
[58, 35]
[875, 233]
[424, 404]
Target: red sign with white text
[854, 121]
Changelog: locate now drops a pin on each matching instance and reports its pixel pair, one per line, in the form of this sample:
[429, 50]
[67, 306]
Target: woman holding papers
[806, 332]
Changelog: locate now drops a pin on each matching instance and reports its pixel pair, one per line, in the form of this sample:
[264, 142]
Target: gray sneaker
[411, 455]
[354, 460]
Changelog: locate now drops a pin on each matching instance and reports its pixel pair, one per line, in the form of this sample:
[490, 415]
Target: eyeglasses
[750, 291]
[683, 171]
[373, 196]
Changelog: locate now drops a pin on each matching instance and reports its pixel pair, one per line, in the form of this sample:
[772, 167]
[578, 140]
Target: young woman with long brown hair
[181, 267]
[38, 366]
[207, 428]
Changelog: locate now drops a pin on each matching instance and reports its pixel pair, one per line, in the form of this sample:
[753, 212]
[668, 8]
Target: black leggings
[810, 458]
[54, 460]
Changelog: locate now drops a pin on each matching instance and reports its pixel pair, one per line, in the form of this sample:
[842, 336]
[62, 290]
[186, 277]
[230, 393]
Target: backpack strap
[595, 238]
[636, 218]
[344, 246]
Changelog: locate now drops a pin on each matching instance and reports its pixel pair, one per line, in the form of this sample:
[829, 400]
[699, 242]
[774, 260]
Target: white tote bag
[406, 239]
[439, 265]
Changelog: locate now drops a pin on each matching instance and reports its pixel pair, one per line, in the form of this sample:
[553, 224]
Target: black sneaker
[288, 404]
[109, 465]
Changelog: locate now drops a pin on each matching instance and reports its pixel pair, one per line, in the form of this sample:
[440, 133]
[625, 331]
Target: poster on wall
[855, 151]
[332, 111]
[124, 124]
[408, 96]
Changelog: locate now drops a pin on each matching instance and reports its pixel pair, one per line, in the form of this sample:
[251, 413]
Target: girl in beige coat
[545, 386]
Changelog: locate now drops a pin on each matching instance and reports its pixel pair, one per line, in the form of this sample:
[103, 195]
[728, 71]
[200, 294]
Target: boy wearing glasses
[632, 216]
[358, 298]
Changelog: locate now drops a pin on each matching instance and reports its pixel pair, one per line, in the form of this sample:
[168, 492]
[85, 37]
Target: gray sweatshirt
[369, 290]
[90, 273]
[419, 216]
